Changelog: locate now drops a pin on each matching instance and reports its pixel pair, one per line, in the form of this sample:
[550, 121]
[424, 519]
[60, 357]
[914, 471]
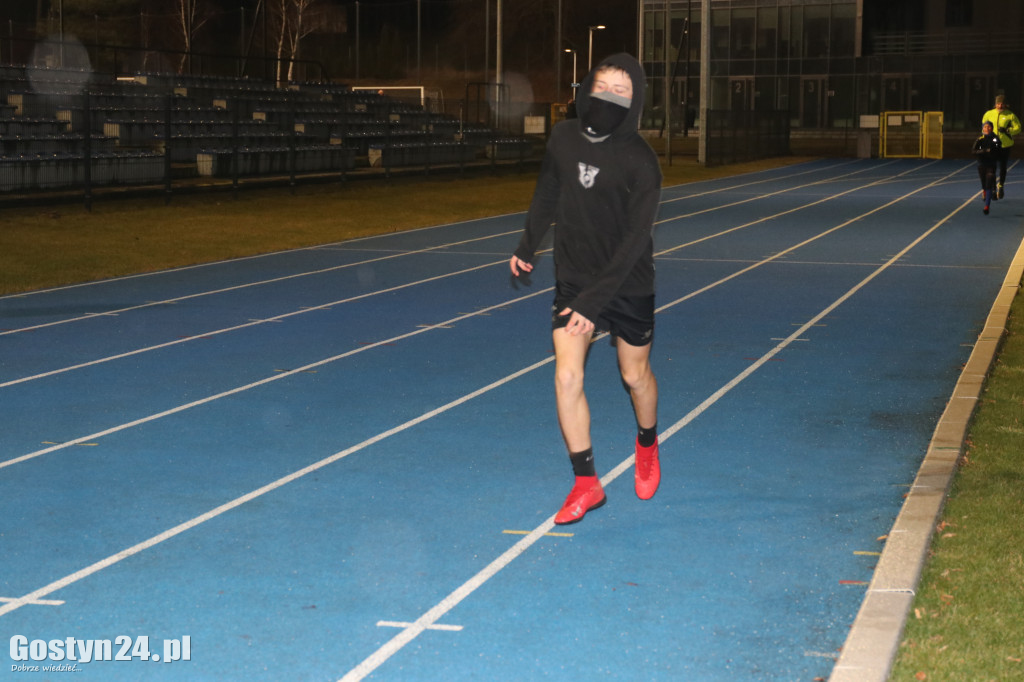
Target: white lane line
[399, 624]
[799, 245]
[395, 254]
[785, 190]
[266, 380]
[251, 323]
[339, 245]
[424, 622]
[795, 209]
[38, 602]
[733, 188]
[237, 287]
[46, 590]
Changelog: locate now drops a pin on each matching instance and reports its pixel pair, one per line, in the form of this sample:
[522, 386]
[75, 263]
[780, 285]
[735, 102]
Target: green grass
[965, 624]
[966, 621]
[65, 244]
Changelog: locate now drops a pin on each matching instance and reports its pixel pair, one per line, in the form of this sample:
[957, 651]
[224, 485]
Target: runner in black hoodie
[599, 186]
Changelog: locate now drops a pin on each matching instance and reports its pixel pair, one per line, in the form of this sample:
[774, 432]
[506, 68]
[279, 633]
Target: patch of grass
[42, 247]
[966, 620]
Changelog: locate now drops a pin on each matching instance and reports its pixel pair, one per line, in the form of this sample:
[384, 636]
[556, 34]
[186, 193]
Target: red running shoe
[647, 471]
[586, 494]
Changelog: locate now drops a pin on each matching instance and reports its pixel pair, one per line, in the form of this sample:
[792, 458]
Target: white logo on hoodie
[587, 175]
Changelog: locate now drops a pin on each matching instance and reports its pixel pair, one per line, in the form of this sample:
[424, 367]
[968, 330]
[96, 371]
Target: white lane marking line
[241, 389]
[46, 590]
[422, 623]
[399, 624]
[37, 602]
[379, 657]
[733, 188]
[395, 254]
[251, 323]
[326, 306]
[237, 287]
[801, 207]
[339, 245]
[785, 190]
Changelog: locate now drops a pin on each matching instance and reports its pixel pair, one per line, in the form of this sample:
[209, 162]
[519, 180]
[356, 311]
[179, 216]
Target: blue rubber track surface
[343, 462]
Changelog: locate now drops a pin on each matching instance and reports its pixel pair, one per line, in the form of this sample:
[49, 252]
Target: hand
[518, 265]
[1003, 131]
[578, 324]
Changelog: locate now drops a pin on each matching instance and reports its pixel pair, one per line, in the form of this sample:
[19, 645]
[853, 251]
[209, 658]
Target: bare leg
[635, 367]
[573, 409]
[574, 420]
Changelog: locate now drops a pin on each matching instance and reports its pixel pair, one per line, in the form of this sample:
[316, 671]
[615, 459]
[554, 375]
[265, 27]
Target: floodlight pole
[60, 16]
[497, 47]
[705, 81]
[558, 55]
[590, 48]
[667, 35]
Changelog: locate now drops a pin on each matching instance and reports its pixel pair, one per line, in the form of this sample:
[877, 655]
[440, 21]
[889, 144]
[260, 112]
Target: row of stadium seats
[215, 126]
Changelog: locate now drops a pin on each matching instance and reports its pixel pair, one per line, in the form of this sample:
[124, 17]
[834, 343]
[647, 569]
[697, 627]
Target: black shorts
[630, 318]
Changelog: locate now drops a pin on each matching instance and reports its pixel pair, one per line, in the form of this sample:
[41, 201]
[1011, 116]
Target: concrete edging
[871, 647]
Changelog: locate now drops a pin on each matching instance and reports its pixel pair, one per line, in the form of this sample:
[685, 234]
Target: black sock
[647, 437]
[583, 463]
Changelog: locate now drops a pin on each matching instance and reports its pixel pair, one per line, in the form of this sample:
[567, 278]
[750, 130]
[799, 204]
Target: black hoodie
[602, 198]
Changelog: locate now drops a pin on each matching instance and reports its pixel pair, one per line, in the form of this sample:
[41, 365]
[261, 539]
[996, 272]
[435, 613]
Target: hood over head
[586, 109]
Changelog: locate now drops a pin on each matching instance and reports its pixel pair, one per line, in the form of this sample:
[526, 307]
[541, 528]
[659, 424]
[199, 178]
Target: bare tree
[189, 15]
[294, 20]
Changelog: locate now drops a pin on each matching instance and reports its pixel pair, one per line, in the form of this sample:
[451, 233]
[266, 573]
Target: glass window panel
[720, 34]
[743, 34]
[767, 33]
[844, 30]
[816, 32]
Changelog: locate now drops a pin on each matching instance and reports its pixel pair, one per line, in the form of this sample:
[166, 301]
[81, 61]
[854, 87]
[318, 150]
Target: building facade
[830, 63]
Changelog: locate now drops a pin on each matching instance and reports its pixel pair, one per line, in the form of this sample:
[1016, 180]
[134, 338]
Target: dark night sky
[437, 16]
[453, 31]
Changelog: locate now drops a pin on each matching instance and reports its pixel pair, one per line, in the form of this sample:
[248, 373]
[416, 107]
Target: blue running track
[343, 462]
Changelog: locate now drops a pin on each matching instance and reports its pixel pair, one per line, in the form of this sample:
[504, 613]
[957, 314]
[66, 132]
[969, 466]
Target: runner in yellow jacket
[1007, 126]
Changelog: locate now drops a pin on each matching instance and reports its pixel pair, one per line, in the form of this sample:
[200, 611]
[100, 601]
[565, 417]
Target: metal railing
[947, 42]
[735, 136]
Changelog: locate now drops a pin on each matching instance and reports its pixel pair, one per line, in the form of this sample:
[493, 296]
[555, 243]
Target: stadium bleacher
[62, 129]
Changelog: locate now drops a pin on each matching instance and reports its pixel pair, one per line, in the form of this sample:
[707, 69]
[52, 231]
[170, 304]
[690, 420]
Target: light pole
[60, 11]
[590, 48]
[574, 83]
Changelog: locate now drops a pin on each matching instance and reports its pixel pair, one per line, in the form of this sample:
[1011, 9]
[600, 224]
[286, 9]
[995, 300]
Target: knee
[568, 380]
[637, 377]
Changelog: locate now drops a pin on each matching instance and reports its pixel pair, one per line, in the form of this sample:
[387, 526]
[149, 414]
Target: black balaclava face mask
[606, 112]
